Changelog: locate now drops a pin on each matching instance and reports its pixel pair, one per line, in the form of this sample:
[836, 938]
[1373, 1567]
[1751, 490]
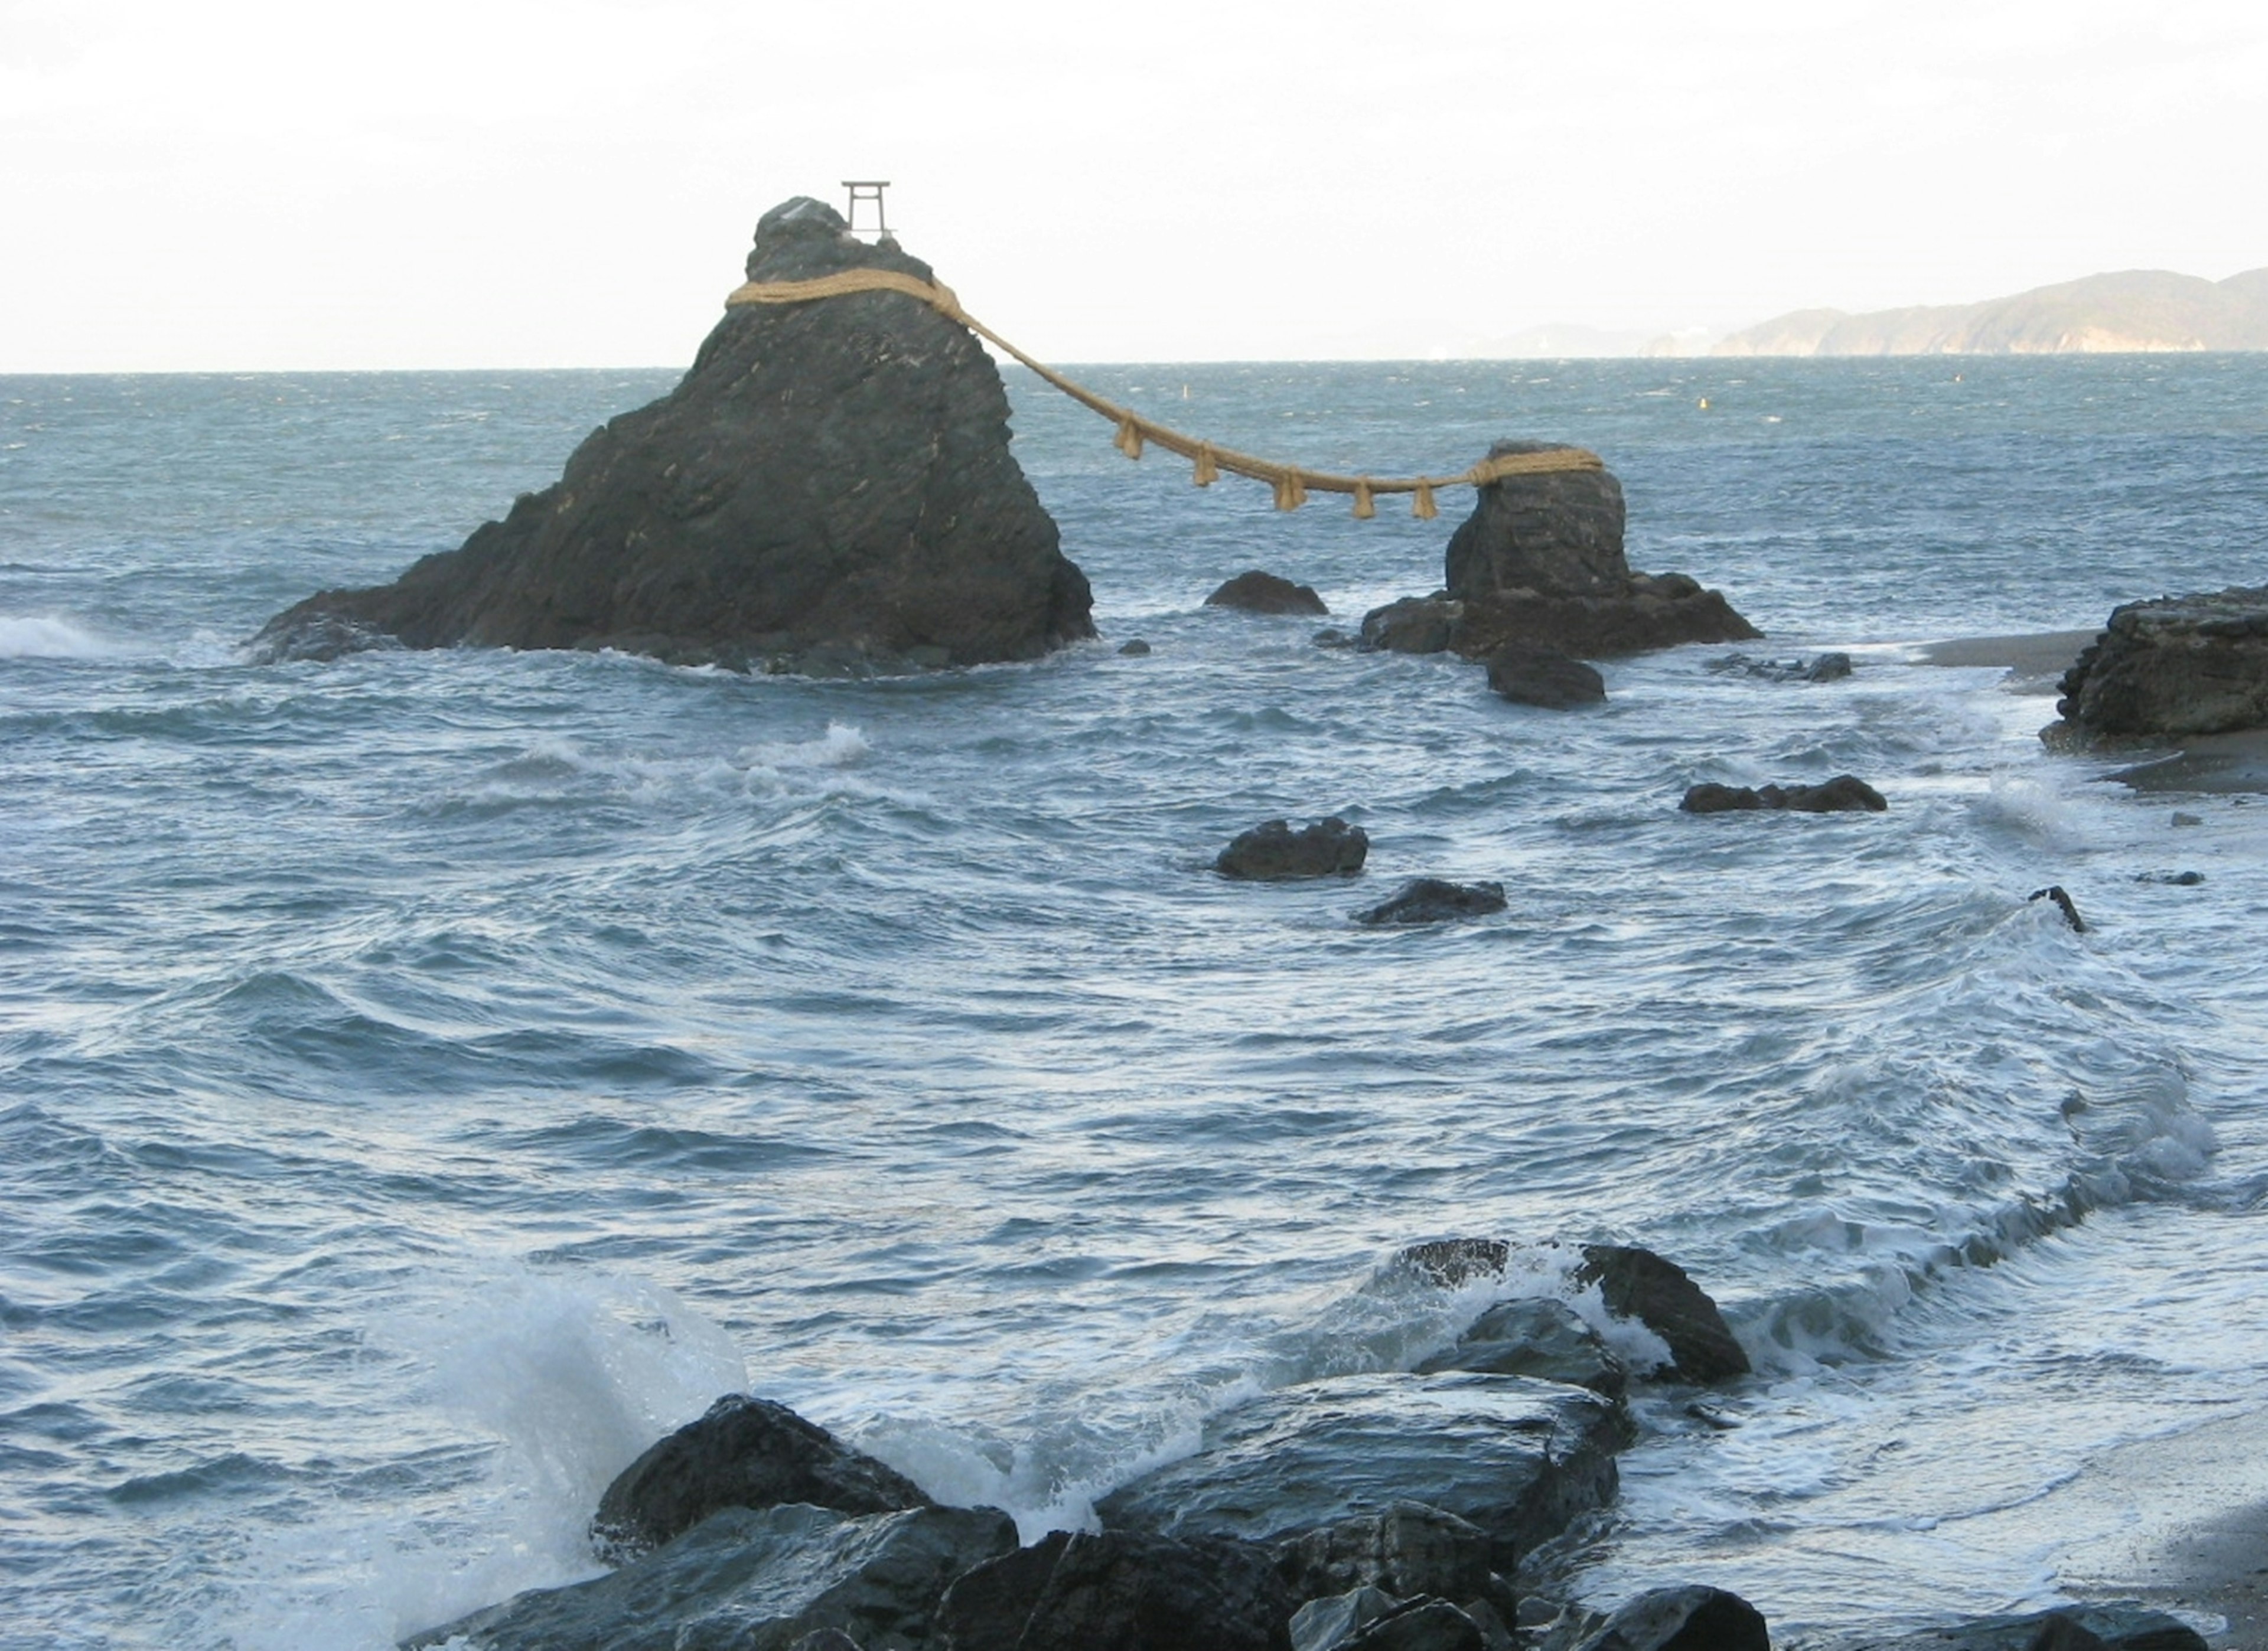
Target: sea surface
[426, 1077]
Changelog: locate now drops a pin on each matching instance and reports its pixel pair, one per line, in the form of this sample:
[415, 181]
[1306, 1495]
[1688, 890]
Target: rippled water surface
[431, 1076]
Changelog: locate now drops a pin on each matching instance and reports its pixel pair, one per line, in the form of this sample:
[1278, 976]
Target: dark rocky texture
[1408, 1550]
[1689, 1618]
[1536, 1336]
[1528, 675]
[829, 488]
[743, 1453]
[1540, 563]
[1830, 667]
[758, 1581]
[1135, 648]
[1272, 852]
[1846, 793]
[2064, 903]
[2174, 667]
[1120, 1592]
[1519, 1459]
[1254, 592]
[1639, 1284]
[2122, 1627]
[1434, 901]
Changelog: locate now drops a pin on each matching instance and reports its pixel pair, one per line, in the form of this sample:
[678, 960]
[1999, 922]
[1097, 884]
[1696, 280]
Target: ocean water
[429, 1076]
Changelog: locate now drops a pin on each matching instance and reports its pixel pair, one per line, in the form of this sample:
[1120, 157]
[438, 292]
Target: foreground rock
[743, 1453]
[758, 1581]
[1846, 793]
[1434, 901]
[1272, 852]
[1120, 1592]
[1528, 675]
[829, 488]
[1518, 1459]
[2122, 1627]
[1539, 563]
[2175, 667]
[1536, 1336]
[1254, 591]
[1683, 1618]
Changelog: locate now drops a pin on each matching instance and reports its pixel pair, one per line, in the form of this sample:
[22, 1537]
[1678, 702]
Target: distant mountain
[2138, 310]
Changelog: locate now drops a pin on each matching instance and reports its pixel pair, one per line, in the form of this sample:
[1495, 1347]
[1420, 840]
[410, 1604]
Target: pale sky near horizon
[243, 185]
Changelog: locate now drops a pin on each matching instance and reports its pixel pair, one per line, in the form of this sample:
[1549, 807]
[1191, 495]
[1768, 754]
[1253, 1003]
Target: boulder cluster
[1392, 1511]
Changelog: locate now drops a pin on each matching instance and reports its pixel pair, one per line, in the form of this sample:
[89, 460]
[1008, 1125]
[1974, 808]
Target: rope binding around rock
[1291, 483]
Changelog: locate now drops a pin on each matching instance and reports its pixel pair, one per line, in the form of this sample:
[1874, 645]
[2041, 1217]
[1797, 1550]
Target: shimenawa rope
[1290, 482]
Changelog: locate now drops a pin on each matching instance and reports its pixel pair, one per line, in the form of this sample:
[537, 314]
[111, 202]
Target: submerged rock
[757, 1581]
[1434, 901]
[1272, 852]
[2174, 667]
[1519, 1459]
[1846, 793]
[1528, 675]
[1254, 592]
[743, 1452]
[1120, 1592]
[832, 475]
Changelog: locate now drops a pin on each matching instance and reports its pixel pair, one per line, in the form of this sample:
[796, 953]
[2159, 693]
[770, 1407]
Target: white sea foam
[44, 636]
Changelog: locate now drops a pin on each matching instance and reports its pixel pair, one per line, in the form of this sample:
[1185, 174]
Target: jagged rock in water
[1528, 675]
[830, 483]
[1845, 794]
[1639, 1284]
[1688, 1618]
[1540, 563]
[1435, 900]
[2122, 1627]
[1119, 1591]
[1536, 1336]
[1829, 667]
[743, 1452]
[2175, 667]
[753, 1579]
[1520, 1459]
[1256, 591]
[1272, 852]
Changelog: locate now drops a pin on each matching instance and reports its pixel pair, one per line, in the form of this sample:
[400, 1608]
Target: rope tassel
[1291, 492]
[1130, 438]
[1363, 509]
[1422, 507]
[1208, 471]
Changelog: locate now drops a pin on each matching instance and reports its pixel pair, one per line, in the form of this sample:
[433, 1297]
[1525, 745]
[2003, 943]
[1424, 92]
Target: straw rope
[1290, 482]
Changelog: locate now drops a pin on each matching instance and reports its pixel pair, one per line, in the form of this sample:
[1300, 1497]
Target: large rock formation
[2175, 668]
[1540, 563]
[829, 488]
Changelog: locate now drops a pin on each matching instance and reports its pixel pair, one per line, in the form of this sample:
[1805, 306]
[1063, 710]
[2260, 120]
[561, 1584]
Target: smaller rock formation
[1540, 562]
[2171, 668]
[1134, 647]
[1687, 1618]
[1119, 1591]
[1639, 1284]
[743, 1452]
[1274, 853]
[1254, 592]
[2064, 903]
[1846, 793]
[1434, 901]
[2122, 1627]
[1829, 667]
[1528, 675]
[1536, 1336]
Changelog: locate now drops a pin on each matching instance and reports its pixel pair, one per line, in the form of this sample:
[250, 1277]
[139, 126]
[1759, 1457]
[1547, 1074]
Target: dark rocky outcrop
[1434, 901]
[1639, 1284]
[1520, 1459]
[1846, 793]
[2171, 668]
[1529, 675]
[749, 1580]
[1408, 1551]
[2122, 1627]
[744, 1452]
[1540, 563]
[1272, 852]
[1828, 667]
[1688, 1618]
[1119, 1591]
[2064, 903]
[829, 488]
[1254, 592]
[1536, 1336]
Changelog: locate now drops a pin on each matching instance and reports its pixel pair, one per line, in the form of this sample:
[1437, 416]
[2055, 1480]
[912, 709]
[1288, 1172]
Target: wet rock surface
[829, 488]
[1639, 1284]
[2174, 667]
[1119, 1591]
[1434, 901]
[1683, 1618]
[1845, 794]
[2121, 1625]
[1539, 1337]
[1544, 677]
[743, 1452]
[1256, 591]
[1272, 852]
[1828, 667]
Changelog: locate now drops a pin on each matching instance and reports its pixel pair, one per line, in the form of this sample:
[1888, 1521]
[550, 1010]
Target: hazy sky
[234, 184]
